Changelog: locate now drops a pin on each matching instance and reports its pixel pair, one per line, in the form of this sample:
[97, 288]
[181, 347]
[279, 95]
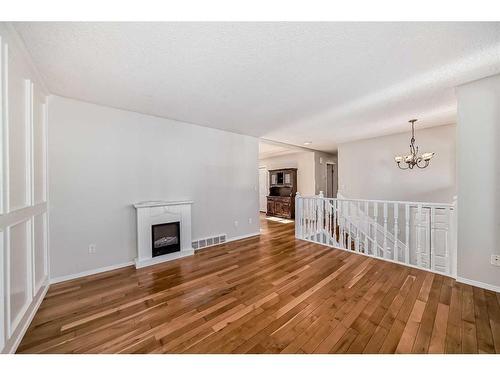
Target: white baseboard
[59, 279]
[479, 284]
[13, 343]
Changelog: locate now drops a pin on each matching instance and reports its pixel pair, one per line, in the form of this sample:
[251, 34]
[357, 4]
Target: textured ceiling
[290, 82]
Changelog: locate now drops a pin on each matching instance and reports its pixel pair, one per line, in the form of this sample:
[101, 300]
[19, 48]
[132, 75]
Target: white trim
[60, 279]
[479, 284]
[423, 204]
[6, 284]
[2, 291]
[22, 214]
[14, 327]
[38, 286]
[5, 132]
[46, 186]
[264, 167]
[27, 320]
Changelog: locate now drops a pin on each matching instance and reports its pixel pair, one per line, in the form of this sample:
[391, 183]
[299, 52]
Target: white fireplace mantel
[162, 212]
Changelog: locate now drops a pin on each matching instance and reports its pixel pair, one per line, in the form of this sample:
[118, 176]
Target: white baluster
[349, 229]
[324, 224]
[340, 219]
[318, 219]
[311, 208]
[316, 222]
[335, 220]
[366, 227]
[344, 223]
[306, 217]
[358, 221]
[375, 227]
[418, 221]
[432, 260]
[395, 250]
[330, 221]
[310, 219]
[384, 251]
[327, 220]
[407, 220]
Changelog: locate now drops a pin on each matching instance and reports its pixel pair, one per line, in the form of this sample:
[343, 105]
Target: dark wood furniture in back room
[282, 190]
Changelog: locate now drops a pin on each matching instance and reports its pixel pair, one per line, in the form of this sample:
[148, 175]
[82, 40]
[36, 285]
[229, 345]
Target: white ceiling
[270, 149]
[290, 82]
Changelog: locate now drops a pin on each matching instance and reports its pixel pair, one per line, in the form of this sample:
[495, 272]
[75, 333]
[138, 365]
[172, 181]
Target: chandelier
[413, 159]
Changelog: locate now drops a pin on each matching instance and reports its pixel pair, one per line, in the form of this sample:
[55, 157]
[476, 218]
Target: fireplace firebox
[166, 238]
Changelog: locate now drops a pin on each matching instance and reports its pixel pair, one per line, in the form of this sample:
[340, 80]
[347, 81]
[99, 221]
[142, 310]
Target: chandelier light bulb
[427, 156]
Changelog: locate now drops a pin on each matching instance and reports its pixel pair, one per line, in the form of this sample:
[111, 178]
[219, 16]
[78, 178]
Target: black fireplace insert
[166, 238]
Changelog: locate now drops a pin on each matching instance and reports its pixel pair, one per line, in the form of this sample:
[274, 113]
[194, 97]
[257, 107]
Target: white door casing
[263, 188]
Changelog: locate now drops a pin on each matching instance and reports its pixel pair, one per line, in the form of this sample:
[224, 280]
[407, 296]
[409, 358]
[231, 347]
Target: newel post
[454, 236]
[298, 216]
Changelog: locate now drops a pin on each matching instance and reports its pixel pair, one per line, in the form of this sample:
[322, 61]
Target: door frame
[267, 186]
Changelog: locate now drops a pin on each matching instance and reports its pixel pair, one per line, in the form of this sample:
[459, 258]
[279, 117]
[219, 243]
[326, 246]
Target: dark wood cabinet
[282, 190]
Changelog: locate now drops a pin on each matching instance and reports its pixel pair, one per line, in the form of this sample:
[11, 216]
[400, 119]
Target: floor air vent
[207, 242]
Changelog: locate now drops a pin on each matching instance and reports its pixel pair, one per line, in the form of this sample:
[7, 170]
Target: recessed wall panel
[18, 135]
[19, 288]
[39, 149]
[3, 106]
[2, 291]
[40, 250]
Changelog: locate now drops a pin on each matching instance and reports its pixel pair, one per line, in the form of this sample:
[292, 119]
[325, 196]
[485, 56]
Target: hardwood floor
[272, 294]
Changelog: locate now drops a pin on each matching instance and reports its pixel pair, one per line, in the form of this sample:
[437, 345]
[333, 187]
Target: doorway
[331, 181]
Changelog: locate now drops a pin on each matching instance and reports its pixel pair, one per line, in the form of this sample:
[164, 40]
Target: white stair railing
[416, 234]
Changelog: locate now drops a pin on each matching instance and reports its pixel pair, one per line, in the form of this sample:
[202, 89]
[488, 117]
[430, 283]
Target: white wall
[102, 160]
[367, 169]
[303, 161]
[478, 135]
[23, 198]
